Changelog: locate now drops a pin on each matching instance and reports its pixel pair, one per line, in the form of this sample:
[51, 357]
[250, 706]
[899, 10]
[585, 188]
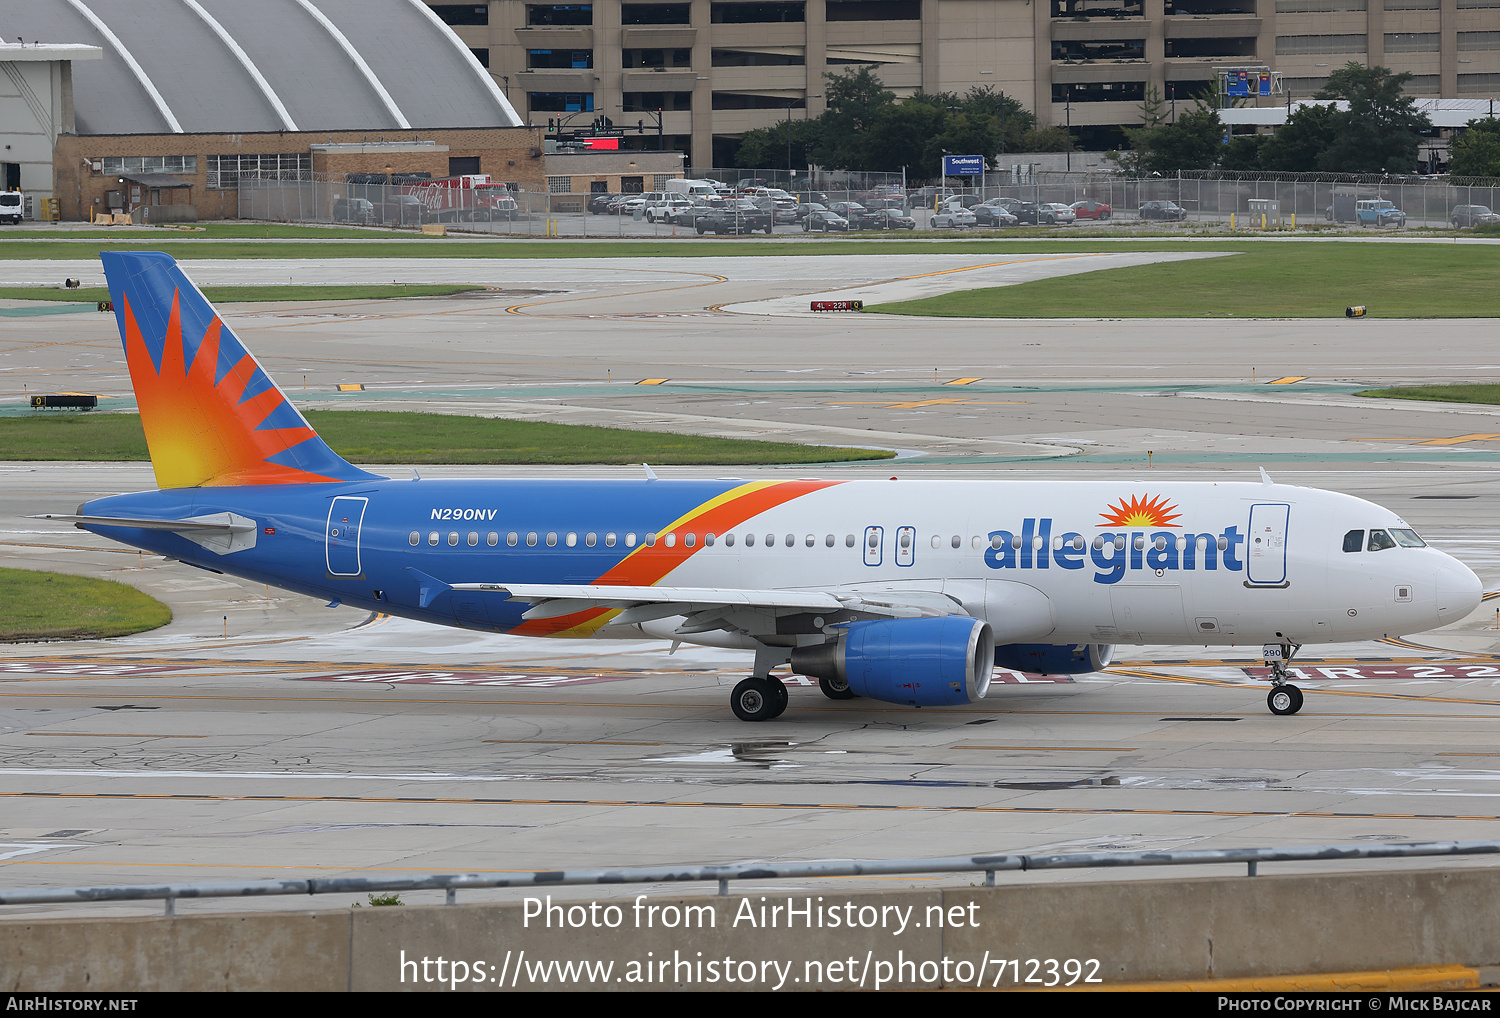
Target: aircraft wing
[712, 607]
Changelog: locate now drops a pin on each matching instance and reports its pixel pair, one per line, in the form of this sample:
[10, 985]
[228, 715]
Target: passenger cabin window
[1380, 541]
[1354, 540]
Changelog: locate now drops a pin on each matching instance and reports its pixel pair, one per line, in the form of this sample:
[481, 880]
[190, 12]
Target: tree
[1476, 151]
[1243, 152]
[1381, 130]
[1297, 144]
[1131, 159]
[855, 100]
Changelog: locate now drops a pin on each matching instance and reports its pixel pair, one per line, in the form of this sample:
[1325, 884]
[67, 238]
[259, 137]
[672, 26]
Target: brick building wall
[509, 155]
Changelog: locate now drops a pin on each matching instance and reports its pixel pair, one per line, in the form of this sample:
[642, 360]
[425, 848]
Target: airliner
[904, 591]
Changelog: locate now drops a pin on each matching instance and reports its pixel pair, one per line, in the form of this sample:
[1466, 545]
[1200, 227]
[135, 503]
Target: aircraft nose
[1458, 591]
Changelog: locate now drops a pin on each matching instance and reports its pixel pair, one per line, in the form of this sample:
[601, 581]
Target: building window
[1477, 40]
[1411, 5]
[756, 13]
[152, 164]
[560, 185]
[462, 14]
[1325, 6]
[559, 59]
[656, 14]
[482, 55]
[1097, 8]
[1477, 5]
[636, 101]
[560, 102]
[756, 58]
[874, 10]
[655, 59]
[1291, 45]
[1411, 42]
[1198, 8]
[1485, 84]
[543, 15]
[751, 101]
[1100, 92]
[1423, 84]
[1112, 49]
[224, 172]
[1196, 49]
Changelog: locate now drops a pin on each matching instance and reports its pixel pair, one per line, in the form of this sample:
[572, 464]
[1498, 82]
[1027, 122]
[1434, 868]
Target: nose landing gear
[1284, 697]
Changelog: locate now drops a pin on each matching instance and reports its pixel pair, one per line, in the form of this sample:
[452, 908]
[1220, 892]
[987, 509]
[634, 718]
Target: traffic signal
[551, 125]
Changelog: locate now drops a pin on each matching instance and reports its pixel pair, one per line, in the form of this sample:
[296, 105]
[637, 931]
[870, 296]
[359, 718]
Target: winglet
[1265, 478]
[429, 588]
[650, 474]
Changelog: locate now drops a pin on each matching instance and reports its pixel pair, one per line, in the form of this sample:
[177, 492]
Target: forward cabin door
[345, 516]
[1265, 545]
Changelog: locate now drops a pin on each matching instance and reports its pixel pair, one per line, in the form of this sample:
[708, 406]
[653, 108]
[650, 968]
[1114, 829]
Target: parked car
[992, 213]
[1091, 210]
[354, 210]
[1378, 212]
[401, 210]
[950, 219]
[737, 216]
[896, 204]
[824, 222]
[850, 210]
[807, 208]
[1052, 213]
[888, 219]
[690, 215]
[598, 204]
[1027, 213]
[663, 211]
[962, 201]
[780, 212]
[1472, 215]
[1166, 210]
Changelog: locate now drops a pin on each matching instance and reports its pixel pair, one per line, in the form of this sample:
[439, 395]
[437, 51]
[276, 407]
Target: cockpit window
[1354, 540]
[1380, 541]
[1407, 538]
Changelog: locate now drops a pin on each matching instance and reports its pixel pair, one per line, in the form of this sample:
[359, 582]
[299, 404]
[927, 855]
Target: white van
[693, 188]
[12, 207]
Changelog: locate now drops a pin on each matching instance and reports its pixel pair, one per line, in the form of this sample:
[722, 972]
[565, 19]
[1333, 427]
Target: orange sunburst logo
[203, 431]
[1141, 511]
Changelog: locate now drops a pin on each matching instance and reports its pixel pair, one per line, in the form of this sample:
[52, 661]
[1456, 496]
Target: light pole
[1068, 113]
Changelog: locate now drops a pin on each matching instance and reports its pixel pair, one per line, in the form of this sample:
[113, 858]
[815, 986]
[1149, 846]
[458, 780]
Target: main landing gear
[756, 699]
[1284, 697]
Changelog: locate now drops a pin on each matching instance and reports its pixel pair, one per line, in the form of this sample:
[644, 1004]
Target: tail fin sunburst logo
[210, 413]
[1141, 511]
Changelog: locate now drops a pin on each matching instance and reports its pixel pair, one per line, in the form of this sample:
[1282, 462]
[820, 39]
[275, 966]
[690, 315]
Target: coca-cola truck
[472, 197]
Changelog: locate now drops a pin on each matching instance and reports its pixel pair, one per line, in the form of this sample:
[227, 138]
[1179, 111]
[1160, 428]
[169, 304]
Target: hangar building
[168, 102]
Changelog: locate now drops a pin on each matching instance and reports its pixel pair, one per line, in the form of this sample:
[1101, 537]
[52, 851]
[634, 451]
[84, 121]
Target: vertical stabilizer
[211, 414]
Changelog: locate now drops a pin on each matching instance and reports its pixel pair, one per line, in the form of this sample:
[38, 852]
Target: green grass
[1272, 281]
[55, 606]
[247, 294]
[373, 436]
[1440, 393]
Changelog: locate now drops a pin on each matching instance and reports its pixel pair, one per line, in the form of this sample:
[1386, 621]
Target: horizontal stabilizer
[220, 533]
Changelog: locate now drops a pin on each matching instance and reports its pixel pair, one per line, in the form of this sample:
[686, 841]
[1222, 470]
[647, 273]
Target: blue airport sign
[963, 166]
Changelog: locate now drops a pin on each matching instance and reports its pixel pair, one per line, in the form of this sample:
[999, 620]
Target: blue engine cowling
[924, 662]
[1055, 659]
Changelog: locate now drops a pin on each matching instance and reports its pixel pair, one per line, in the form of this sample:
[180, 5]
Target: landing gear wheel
[754, 700]
[836, 689]
[1285, 699]
[779, 698]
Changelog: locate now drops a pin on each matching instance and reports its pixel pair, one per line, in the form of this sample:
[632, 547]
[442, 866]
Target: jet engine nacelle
[1055, 659]
[925, 662]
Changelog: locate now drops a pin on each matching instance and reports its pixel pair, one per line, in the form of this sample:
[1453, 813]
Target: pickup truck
[737, 216]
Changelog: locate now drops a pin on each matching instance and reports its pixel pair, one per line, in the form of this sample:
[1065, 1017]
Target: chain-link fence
[1282, 199]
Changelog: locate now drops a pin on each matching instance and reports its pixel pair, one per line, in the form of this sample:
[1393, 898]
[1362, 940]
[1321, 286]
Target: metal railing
[989, 865]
